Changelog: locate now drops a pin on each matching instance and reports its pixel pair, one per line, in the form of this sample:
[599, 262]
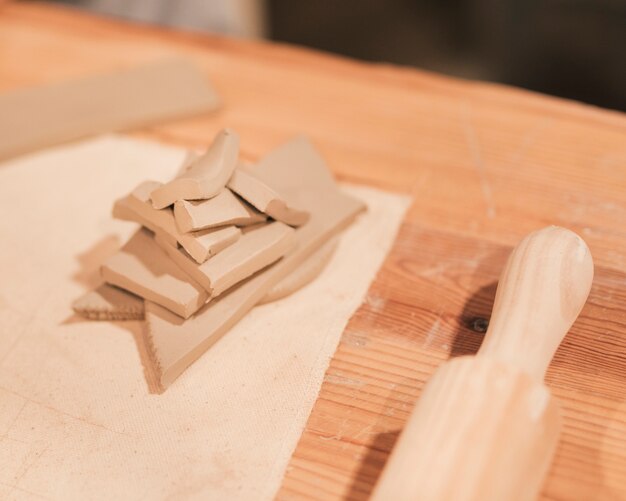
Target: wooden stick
[485, 427]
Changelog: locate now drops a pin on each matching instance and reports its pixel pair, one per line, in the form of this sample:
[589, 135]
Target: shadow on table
[371, 466]
[472, 325]
[473, 322]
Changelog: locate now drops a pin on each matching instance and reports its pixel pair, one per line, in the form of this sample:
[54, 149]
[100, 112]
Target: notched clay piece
[260, 194]
[199, 244]
[108, 302]
[174, 344]
[142, 268]
[252, 252]
[223, 209]
[303, 274]
[205, 177]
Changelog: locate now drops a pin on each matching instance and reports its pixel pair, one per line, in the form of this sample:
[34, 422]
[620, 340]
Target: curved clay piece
[221, 210]
[304, 274]
[206, 177]
[258, 194]
[190, 158]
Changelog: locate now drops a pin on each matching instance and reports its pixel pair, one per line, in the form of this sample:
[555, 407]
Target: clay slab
[205, 177]
[52, 114]
[109, 303]
[200, 245]
[223, 209]
[142, 268]
[247, 184]
[174, 345]
[252, 252]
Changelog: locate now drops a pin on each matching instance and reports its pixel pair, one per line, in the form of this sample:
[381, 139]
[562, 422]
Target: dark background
[570, 48]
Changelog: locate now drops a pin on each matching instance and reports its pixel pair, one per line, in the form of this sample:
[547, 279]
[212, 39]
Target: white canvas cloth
[77, 417]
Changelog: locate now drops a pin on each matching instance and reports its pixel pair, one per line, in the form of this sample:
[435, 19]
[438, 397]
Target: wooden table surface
[485, 165]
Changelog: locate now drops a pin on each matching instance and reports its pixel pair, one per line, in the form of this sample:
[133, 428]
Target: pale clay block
[200, 244]
[246, 182]
[205, 177]
[223, 209]
[174, 344]
[252, 252]
[108, 302]
[142, 268]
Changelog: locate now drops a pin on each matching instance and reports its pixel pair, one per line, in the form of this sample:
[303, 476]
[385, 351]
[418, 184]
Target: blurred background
[570, 48]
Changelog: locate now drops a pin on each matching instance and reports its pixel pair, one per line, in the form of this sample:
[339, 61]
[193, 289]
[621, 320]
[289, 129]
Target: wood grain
[485, 164]
[486, 426]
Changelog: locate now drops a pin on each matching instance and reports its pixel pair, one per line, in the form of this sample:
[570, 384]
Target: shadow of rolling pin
[486, 426]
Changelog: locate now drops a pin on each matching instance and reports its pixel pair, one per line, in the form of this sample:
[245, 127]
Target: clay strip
[223, 209]
[252, 252]
[44, 116]
[142, 268]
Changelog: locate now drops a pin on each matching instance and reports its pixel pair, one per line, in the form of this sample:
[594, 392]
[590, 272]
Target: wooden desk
[485, 164]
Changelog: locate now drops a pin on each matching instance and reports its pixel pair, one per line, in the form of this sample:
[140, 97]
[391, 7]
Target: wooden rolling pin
[486, 426]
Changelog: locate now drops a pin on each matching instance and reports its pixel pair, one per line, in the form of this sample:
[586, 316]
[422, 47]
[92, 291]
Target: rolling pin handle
[542, 289]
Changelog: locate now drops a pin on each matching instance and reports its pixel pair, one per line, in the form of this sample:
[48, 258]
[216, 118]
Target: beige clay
[142, 268]
[174, 345]
[252, 252]
[223, 209]
[303, 274]
[205, 177]
[43, 116]
[109, 303]
[200, 245]
[247, 183]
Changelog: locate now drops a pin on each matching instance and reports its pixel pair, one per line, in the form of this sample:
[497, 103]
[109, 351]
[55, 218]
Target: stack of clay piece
[215, 241]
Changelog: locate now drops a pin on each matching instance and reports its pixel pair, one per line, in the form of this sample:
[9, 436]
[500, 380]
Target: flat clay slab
[248, 185]
[205, 177]
[136, 97]
[109, 303]
[175, 345]
[142, 268]
[303, 274]
[199, 245]
[223, 209]
[254, 251]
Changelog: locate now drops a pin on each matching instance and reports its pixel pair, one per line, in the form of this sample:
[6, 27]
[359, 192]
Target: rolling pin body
[485, 427]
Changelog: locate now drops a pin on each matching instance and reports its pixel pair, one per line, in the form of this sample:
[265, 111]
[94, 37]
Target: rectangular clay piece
[108, 302]
[200, 245]
[254, 251]
[206, 176]
[142, 268]
[44, 116]
[249, 186]
[223, 209]
[175, 345]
